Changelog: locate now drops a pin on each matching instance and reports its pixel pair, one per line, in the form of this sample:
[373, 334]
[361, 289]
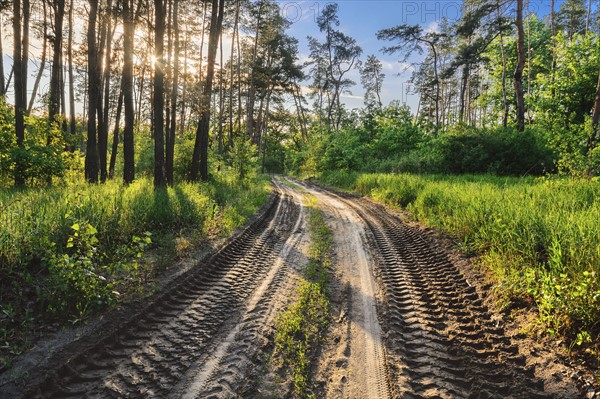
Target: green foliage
[65, 251]
[301, 327]
[538, 237]
[387, 140]
[243, 157]
[84, 279]
[42, 156]
[502, 151]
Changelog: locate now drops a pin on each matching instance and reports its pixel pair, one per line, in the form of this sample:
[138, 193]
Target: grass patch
[69, 252]
[537, 236]
[302, 326]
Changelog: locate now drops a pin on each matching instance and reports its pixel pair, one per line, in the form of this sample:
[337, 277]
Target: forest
[131, 130]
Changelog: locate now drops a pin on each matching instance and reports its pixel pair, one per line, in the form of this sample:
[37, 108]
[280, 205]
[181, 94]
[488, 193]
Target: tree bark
[518, 76]
[437, 88]
[221, 97]
[72, 122]
[595, 117]
[251, 89]
[463, 89]
[54, 105]
[182, 120]
[91, 155]
[200, 156]
[231, 68]
[170, 150]
[587, 17]
[20, 60]
[504, 94]
[2, 81]
[127, 84]
[115, 143]
[158, 101]
[103, 131]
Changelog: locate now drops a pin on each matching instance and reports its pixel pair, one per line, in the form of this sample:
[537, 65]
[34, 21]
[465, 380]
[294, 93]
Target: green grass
[66, 252]
[539, 238]
[301, 327]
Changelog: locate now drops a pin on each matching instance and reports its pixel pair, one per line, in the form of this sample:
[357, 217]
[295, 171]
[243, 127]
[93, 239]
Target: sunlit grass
[539, 238]
[38, 226]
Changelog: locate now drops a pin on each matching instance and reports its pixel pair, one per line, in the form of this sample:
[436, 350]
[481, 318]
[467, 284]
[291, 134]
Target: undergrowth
[69, 252]
[301, 327]
[537, 236]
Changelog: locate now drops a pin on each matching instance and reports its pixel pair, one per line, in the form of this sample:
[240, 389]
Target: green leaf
[75, 226]
[91, 230]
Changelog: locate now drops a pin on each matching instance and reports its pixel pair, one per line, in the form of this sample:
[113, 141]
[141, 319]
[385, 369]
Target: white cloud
[433, 27]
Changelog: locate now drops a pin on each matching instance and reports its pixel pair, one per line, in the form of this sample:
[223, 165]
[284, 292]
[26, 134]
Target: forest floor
[410, 318]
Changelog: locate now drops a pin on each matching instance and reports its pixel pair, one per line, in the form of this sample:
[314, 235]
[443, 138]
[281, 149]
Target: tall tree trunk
[158, 101]
[182, 120]
[239, 81]
[463, 89]
[20, 60]
[54, 103]
[2, 81]
[72, 122]
[504, 94]
[200, 156]
[103, 131]
[595, 117]
[40, 73]
[587, 17]
[553, 66]
[251, 89]
[231, 68]
[202, 41]
[139, 97]
[518, 76]
[437, 85]
[170, 150]
[63, 96]
[528, 111]
[221, 97]
[91, 154]
[127, 84]
[115, 143]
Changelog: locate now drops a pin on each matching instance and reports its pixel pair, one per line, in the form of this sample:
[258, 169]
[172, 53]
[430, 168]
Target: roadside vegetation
[537, 237]
[67, 252]
[301, 327]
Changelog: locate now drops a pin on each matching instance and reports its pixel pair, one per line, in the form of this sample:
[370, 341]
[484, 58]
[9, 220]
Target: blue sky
[361, 19]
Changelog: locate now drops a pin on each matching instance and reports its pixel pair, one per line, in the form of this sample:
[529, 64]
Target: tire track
[238, 355]
[149, 355]
[441, 340]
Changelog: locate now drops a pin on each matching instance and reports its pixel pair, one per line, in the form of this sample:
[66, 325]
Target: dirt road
[406, 323]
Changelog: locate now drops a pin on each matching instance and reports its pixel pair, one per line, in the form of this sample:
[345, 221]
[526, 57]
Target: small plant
[84, 278]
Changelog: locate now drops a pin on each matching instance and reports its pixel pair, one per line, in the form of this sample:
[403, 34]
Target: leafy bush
[502, 151]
